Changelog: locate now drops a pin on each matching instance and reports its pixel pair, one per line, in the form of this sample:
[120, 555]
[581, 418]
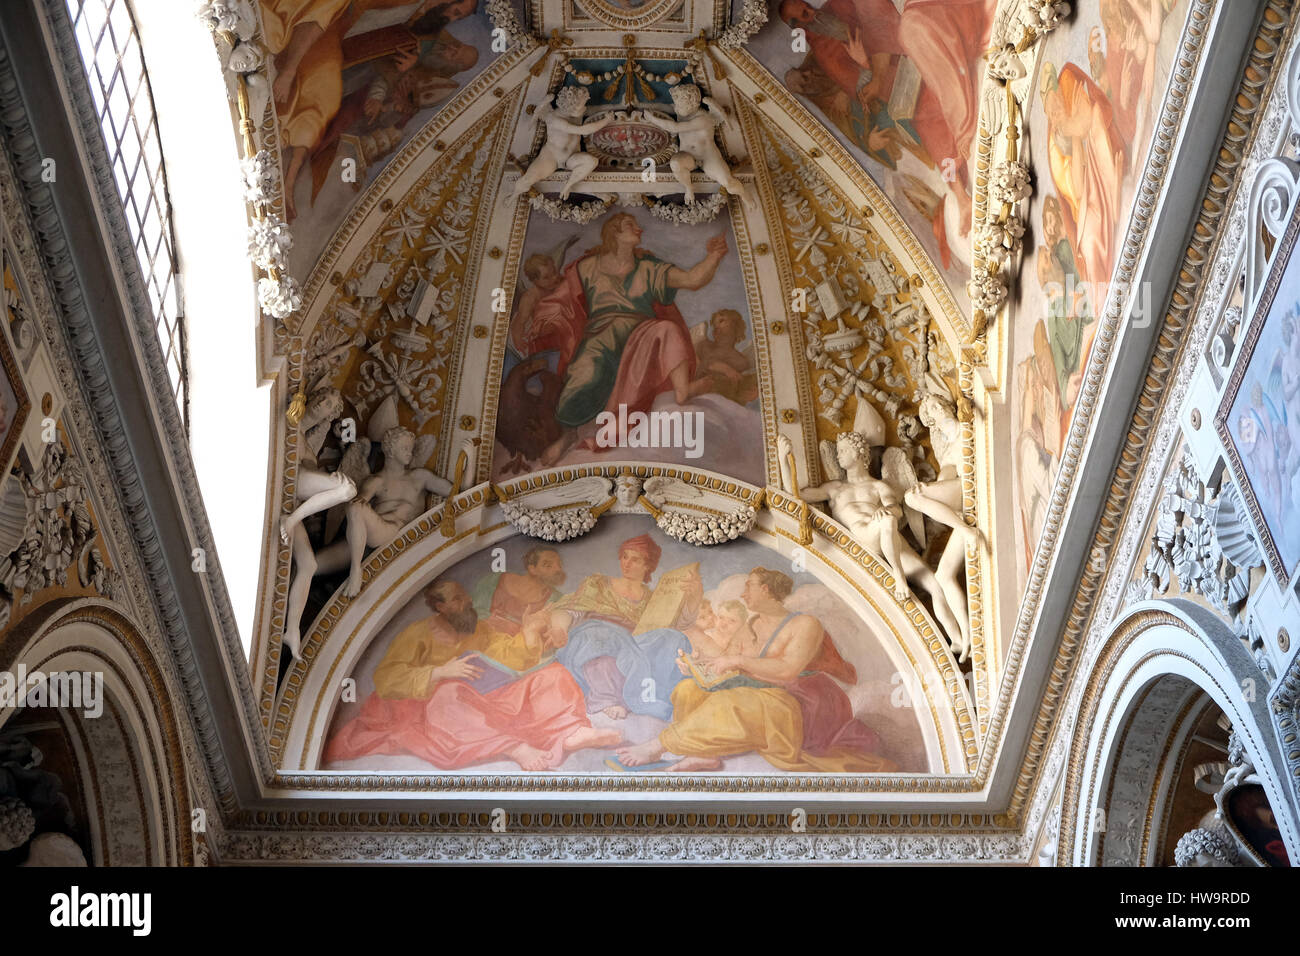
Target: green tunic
[614, 309]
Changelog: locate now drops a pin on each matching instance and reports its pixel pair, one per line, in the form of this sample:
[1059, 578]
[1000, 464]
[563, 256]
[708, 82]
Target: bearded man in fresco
[426, 701]
[867, 47]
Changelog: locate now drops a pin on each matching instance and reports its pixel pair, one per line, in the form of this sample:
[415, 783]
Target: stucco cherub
[563, 146]
[391, 498]
[697, 148]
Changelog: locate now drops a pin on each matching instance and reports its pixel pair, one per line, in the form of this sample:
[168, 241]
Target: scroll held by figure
[621, 650]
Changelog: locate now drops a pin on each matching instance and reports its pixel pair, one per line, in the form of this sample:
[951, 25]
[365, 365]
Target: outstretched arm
[815, 493]
[564, 126]
[719, 114]
[662, 122]
[436, 483]
[369, 488]
[701, 274]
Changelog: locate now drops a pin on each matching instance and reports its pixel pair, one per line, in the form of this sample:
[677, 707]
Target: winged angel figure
[874, 509]
[377, 506]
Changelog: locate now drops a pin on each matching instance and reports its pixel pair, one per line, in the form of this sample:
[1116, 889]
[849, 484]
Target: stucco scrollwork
[1202, 541]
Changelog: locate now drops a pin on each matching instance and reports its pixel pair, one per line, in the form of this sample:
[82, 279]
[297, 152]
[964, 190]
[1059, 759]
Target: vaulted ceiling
[927, 202]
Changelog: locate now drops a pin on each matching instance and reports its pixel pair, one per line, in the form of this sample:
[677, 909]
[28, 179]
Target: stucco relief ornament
[873, 510]
[706, 529]
[17, 823]
[689, 214]
[563, 146]
[558, 525]
[229, 16]
[1000, 240]
[1005, 64]
[57, 530]
[234, 24]
[279, 296]
[502, 15]
[627, 491]
[580, 213]
[1010, 183]
[261, 176]
[1202, 540]
[697, 148]
[987, 292]
[1207, 847]
[269, 242]
[1044, 16]
[753, 15]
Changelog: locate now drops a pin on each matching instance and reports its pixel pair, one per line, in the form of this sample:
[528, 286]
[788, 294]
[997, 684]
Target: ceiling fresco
[680, 273]
[1095, 98]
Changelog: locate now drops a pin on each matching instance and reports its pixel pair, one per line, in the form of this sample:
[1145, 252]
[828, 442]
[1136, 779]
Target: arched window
[119, 84]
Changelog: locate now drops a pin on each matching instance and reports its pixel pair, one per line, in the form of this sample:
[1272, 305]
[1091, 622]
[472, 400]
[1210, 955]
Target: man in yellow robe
[781, 704]
[430, 700]
[306, 37]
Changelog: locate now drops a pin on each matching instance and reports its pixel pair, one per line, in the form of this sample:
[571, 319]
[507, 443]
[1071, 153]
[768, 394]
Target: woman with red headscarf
[619, 671]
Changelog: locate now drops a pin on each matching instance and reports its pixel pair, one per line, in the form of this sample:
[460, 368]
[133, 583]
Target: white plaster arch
[85, 635]
[1176, 650]
[922, 658]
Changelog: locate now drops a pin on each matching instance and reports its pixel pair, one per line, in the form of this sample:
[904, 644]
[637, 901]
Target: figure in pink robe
[436, 697]
[620, 338]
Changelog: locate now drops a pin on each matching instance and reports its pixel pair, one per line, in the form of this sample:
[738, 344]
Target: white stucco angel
[391, 498]
[872, 509]
[563, 146]
[316, 489]
[940, 500]
[697, 148]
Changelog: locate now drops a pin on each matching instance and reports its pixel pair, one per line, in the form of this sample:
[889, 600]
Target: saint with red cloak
[620, 338]
[1087, 156]
[444, 693]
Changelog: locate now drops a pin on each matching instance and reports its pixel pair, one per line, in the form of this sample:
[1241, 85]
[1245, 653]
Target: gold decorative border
[11, 370]
[647, 16]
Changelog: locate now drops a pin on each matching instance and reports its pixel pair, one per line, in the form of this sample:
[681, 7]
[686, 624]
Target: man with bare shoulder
[782, 701]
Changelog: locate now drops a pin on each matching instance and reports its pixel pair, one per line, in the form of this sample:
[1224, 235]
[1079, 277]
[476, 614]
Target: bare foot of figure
[699, 386]
[693, 764]
[648, 752]
[592, 737]
[293, 641]
[353, 587]
[530, 758]
[287, 524]
[615, 711]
